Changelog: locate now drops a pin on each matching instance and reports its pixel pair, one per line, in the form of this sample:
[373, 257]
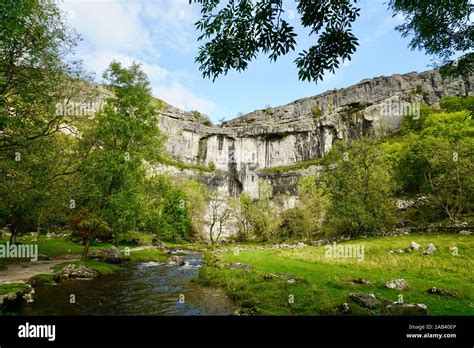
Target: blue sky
[160, 34]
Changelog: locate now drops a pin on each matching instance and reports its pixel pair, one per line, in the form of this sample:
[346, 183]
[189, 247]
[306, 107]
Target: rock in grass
[442, 292]
[429, 249]
[238, 265]
[398, 284]
[344, 308]
[73, 271]
[406, 309]
[361, 281]
[272, 276]
[465, 233]
[414, 246]
[366, 300]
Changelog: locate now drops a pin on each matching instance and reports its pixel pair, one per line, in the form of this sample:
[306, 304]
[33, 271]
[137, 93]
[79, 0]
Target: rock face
[244, 148]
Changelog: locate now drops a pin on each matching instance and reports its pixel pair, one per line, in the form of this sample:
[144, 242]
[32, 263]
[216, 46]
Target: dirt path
[26, 269]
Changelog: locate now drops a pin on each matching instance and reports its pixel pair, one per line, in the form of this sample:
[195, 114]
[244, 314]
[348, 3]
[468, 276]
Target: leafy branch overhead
[235, 31]
[243, 28]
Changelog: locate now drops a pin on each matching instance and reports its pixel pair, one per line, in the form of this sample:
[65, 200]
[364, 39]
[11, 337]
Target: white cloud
[388, 24]
[132, 32]
[179, 96]
[172, 23]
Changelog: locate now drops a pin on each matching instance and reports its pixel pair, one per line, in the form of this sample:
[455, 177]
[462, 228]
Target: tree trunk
[38, 227]
[85, 252]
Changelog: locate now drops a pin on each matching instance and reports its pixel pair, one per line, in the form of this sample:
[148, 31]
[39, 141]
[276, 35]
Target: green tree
[304, 221]
[441, 28]
[359, 190]
[34, 70]
[36, 75]
[123, 137]
[175, 223]
[435, 160]
[237, 30]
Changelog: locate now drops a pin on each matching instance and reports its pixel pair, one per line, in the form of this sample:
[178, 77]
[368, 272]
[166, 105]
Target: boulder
[112, 255]
[414, 246]
[465, 233]
[441, 292]
[407, 309]
[238, 265]
[398, 284]
[429, 249]
[73, 271]
[176, 260]
[272, 276]
[344, 308]
[366, 300]
[361, 281]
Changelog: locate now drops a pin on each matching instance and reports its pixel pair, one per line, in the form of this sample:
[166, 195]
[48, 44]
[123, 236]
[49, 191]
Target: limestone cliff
[241, 149]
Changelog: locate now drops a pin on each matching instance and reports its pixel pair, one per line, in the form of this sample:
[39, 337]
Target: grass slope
[323, 282]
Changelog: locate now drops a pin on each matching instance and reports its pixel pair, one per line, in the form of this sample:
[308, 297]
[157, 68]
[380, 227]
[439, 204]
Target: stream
[145, 288]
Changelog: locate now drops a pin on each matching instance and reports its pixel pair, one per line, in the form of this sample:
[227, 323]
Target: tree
[35, 76]
[359, 190]
[219, 214]
[256, 218]
[237, 31]
[435, 160]
[124, 135]
[441, 28]
[33, 70]
[175, 223]
[304, 220]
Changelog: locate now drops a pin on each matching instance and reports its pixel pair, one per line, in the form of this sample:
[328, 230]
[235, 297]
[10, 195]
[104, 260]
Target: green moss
[418, 90]
[41, 279]
[201, 118]
[183, 166]
[296, 166]
[316, 113]
[12, 287]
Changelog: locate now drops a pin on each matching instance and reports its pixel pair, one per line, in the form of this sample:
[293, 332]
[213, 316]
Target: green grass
[296, 166]
[183, 166]
[147, 255]
[322, 282]
[42, 279]
[12, 287]
[55, 247]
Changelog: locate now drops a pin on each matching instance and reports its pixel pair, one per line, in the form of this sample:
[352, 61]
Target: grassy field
[323, 283]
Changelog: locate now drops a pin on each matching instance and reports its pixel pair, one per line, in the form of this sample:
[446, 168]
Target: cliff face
[241, 149]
